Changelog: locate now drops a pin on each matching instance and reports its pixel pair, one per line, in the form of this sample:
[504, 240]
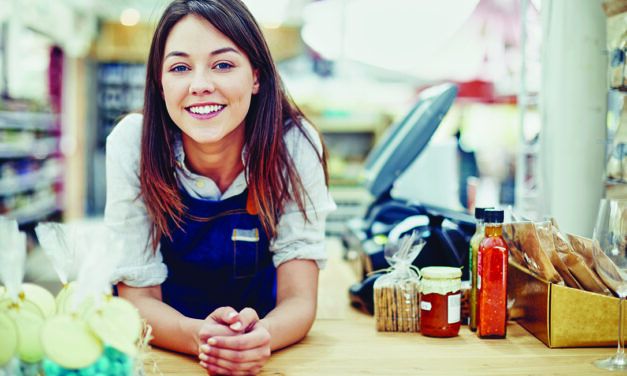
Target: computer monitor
[403, 141]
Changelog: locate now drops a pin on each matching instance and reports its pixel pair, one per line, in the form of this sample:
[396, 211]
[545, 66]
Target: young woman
[219, 190]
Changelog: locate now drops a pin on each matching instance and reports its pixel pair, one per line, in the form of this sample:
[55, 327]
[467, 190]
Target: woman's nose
[201, 84]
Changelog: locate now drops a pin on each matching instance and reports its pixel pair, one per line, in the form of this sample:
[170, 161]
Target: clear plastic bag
[396, 293]
[11, 368]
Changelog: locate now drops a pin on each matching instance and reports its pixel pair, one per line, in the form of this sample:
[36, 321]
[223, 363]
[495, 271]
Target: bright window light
[400, 35]
[269, 13]
[129, 17]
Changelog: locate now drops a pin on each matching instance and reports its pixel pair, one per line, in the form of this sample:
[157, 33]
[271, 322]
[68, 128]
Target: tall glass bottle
[492, 279]
[472, 258]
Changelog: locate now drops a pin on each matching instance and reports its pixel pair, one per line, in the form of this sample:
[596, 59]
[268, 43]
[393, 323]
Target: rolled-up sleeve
[298, 238]
[125, 212]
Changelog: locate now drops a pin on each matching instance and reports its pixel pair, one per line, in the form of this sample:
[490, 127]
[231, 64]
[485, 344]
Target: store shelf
[615, 190]
[26, 147]
[33, 180]
[36, 209]
[352, 202]
[372, 123]
[616, 145]
[31, 173]
[119, 90]
[27, 121]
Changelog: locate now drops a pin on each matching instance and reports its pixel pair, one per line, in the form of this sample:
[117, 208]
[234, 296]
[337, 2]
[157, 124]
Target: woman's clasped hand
[233, 343]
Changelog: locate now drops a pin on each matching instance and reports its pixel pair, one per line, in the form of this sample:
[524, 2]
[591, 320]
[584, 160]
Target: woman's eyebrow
[213, 53]
[176, 53]
[224, 50]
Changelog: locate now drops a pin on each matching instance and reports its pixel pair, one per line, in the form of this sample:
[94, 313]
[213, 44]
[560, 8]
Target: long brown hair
[272, 177]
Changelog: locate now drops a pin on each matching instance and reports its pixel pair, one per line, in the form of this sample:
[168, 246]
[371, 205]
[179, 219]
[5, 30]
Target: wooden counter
[344, 341]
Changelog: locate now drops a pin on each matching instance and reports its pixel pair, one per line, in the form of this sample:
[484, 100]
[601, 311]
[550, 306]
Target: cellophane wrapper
[396, 293]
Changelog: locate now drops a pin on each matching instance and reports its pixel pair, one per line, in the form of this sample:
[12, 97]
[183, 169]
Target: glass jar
[440, 301]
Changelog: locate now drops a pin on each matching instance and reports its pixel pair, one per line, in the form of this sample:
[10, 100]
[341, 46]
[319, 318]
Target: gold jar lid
[440, 280]
[440, 272]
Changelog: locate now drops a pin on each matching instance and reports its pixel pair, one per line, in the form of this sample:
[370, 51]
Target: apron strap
[209, 222]
[250, 204]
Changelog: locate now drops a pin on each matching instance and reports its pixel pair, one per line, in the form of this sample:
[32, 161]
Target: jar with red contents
[440, 301]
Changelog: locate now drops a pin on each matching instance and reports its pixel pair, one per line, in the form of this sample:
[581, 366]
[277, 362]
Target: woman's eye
[223, 66]
[178, 68]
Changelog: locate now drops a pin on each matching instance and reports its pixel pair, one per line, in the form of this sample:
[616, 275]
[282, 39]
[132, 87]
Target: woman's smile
[205, 111]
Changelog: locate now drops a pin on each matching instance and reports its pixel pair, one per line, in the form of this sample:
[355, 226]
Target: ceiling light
[129, 17]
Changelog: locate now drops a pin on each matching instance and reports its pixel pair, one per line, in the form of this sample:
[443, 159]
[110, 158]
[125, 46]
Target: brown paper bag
[538, 261]
[545, 235]
[514, 248]
[576, 264]
[592, 253]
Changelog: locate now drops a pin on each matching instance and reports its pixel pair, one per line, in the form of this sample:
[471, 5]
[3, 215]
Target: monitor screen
[404, 141]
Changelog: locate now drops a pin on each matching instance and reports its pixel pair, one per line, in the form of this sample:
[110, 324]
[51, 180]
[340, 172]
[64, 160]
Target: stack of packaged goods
[396, 293]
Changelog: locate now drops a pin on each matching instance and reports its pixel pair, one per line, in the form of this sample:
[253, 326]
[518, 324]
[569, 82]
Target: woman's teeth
[205, 109]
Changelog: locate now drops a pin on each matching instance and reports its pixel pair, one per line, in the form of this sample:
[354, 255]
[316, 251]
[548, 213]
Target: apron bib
[222, 259]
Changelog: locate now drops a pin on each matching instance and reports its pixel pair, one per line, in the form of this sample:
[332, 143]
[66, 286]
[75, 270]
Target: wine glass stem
[620, 352]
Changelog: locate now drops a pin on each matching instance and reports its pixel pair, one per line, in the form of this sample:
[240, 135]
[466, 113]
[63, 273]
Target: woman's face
[207, 82]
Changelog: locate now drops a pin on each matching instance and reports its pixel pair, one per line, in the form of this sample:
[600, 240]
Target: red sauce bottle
[492, 288]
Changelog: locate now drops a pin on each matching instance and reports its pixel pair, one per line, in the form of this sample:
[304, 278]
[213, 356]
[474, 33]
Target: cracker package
[396, 293]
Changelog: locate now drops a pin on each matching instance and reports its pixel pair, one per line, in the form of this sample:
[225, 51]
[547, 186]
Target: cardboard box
[561, 316]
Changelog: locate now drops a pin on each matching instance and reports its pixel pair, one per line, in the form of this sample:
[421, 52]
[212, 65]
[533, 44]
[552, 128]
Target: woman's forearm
[290, 321]
[170, 329]
[297, 296]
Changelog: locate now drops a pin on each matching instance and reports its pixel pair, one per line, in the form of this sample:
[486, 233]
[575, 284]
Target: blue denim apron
[222, 259]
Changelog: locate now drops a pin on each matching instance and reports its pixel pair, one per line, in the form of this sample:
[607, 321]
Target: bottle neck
[480, 229]
[494, 229]
[480, 224]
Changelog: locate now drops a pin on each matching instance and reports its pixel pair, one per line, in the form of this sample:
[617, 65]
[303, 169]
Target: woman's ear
[255, 81]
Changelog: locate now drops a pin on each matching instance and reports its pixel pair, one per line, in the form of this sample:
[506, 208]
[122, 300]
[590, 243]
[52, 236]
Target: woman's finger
[218, 364]
[218, 324]
[258, 336]
[248, 318]
[213, 369]
[239, 356]
[223, 315]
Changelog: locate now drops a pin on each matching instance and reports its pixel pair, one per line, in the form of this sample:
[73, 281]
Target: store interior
[528, 130]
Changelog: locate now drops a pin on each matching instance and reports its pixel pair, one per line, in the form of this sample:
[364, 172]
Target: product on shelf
[30, 160]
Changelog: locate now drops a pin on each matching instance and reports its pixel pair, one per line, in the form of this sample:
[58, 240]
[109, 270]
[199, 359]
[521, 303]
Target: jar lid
[440, 272]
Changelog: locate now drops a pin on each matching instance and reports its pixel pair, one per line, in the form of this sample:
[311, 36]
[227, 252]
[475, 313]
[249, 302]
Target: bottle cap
[479, 212]
[493, 216]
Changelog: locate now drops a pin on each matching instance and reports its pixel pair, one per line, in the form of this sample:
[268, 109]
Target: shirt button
[200, 183]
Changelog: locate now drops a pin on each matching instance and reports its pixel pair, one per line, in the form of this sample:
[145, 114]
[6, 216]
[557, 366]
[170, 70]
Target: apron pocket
[245, 252]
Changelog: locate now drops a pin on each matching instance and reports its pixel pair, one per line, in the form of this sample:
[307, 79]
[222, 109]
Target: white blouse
[126, 213]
